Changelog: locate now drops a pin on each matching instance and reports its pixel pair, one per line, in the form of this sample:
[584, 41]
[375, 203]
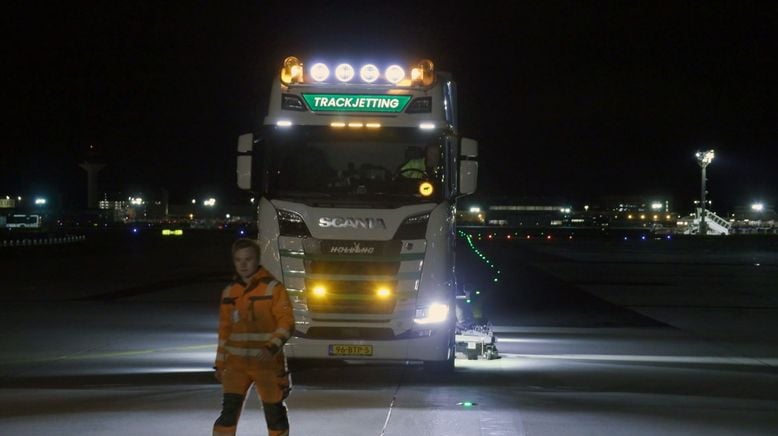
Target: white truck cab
[357, 169]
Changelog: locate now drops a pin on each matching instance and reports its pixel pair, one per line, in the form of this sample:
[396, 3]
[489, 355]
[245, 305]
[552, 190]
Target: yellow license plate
[350, 350]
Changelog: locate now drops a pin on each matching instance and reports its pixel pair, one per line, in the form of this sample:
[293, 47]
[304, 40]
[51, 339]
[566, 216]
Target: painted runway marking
[501, 424]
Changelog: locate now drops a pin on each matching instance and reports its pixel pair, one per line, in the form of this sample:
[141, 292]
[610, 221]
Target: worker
[255, 320]
[414, 166]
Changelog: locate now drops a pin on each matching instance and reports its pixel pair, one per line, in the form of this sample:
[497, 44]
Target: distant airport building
[753, 219]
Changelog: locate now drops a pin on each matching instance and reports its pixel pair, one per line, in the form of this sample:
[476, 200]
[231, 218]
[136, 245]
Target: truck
[356, 171]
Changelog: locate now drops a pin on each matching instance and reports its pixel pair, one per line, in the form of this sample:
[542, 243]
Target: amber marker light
[426, 189]
[292, 71]
[422, 73]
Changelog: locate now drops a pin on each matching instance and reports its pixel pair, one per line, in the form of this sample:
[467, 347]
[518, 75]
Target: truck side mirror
[468, 148]
[468, 168]
[245, 149]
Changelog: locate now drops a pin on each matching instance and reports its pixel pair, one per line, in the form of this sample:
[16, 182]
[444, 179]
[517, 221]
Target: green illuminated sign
[356, 103]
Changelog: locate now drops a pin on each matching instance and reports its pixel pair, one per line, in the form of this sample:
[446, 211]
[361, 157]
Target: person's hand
[218, 374]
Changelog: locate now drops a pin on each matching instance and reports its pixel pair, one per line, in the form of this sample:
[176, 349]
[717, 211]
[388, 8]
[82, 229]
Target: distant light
[211, 202]
[227, 216]
[475, 209]
[40, 201]
[242, 232]
[643, 237]
[194, 201]
[191, 216]
[19, 198]
[136, 201]
[134, 230]
[284, 123]
[427, 126]
[757, 207]
[656, 206]
[704, 158]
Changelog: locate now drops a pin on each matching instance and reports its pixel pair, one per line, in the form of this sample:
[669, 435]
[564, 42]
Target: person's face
[246, 262]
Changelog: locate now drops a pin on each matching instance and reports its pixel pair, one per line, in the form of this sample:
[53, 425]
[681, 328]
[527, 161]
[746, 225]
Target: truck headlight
[434, 313]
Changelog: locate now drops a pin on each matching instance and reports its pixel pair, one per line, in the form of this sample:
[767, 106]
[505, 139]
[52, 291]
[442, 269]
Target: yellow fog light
[383, 293]
[319, 291]
[423, 73]
[292, 72]
[426, 189]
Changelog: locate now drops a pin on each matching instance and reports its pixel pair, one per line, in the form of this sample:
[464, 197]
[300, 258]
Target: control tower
[92, 165]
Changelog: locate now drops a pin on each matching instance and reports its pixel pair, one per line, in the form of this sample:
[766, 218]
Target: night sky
[568, 100]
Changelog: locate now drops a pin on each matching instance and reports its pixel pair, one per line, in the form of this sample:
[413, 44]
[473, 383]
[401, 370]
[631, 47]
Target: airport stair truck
[356, 173]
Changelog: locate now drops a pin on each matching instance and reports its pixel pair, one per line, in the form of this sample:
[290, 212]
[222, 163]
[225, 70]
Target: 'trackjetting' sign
[356, 103]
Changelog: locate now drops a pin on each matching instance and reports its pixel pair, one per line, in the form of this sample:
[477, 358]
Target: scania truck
[356, 172]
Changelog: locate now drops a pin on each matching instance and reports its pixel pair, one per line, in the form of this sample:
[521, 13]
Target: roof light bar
[394, 74]
[320, 72]
[344, 72]
[369, 73]
[420, 73]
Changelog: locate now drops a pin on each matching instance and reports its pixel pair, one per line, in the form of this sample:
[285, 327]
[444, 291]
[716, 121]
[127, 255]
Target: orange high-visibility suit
[255, 320]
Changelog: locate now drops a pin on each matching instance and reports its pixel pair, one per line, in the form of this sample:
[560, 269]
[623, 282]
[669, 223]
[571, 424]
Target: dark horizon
[568, 100]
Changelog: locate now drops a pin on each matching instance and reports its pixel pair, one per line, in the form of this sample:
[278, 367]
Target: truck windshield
[396, 165]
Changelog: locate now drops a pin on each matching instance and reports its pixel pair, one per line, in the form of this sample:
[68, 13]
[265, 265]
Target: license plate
[350, 350]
